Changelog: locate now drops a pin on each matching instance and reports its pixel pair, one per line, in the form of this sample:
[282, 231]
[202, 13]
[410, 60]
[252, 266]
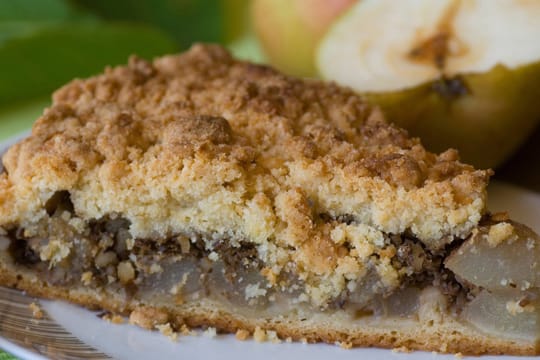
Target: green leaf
[187, 21]
[34, 65]
[35, 10]
[24, 17]
[10, 29]
[6, 356]
[13, 29]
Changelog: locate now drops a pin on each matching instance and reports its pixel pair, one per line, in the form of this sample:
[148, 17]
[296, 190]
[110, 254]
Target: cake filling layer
[64, 250]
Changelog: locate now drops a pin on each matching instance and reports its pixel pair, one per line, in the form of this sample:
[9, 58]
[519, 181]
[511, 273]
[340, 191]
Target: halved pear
[456, 73]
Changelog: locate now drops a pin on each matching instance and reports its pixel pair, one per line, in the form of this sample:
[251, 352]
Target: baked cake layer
[432, 330]
[197, 182]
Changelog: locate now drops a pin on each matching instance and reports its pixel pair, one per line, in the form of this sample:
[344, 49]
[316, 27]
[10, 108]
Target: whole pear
[290, 30]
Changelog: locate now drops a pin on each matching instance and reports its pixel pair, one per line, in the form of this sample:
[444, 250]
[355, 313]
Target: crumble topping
[113, 318]
[211, 332]
[241, 334]
[345, 345]
[148, 317]
[37, 313]
[185, 330]
[167, 330]
[403, 349]
[272, 336]
[500, 232]
[259, 335]
[305, 172]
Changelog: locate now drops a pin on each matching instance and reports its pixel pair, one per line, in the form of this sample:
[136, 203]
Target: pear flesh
[456, 73]
[500, 260]
[500, 257]
[508, 315]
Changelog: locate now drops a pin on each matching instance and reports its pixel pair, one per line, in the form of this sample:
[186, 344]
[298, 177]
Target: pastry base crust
[446, 335]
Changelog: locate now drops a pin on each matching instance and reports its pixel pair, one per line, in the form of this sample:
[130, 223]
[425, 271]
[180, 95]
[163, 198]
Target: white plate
[71, 332]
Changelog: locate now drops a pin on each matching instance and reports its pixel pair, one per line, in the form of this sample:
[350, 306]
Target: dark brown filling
[225, 276]
[202, 264]
[423, 267]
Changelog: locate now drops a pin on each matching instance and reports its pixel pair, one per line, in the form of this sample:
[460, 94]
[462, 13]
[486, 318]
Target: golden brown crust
[446, 336]
[202, 142]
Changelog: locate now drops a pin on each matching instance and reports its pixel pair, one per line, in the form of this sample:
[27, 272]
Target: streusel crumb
[168, 331]
[211, 332]
[242, 334]
[401, 349]
[37, 313]
[259, 334]
[113, 318]
[185, 330]
[272, 336]
[283, 159]
[148, 317]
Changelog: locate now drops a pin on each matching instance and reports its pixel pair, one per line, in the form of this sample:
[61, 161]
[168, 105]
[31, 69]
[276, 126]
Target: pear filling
[500, 259]
[490, 280]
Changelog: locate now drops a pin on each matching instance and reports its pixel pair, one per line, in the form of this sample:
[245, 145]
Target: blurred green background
[46, 43]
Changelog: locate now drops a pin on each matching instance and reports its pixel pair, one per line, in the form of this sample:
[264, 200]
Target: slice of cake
[203, 191]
